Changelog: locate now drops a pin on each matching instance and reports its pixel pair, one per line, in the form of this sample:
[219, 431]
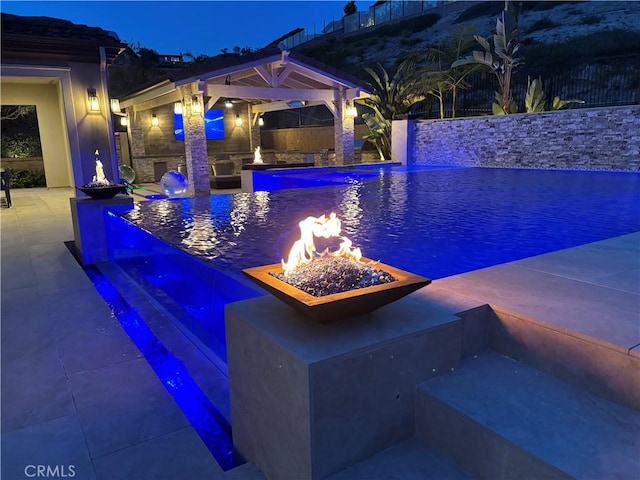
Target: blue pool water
[436, 222]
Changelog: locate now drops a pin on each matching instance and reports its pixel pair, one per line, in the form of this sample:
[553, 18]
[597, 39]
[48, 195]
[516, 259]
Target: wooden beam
[269, 93]
[260, 70]
[157, 102]
[148, 94]
[283, 75]
[277, 106]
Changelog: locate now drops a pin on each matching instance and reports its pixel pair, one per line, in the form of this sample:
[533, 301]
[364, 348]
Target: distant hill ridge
[612, 27]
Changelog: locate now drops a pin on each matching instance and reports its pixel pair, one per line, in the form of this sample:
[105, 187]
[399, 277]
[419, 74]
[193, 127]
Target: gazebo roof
[268, 76]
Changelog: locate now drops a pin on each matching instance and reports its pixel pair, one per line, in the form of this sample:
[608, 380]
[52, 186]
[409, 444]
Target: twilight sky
[204, 26]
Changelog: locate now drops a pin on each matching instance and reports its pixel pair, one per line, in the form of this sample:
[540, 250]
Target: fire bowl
[338, 306]
[103, 192]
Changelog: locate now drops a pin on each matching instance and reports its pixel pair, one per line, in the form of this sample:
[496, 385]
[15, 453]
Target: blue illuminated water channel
[188, 253]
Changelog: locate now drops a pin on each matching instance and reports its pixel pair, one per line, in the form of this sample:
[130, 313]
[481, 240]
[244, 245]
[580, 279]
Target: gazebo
[265, 81]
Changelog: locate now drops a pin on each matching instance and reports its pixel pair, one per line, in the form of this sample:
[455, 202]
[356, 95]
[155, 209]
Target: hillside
[568, 29]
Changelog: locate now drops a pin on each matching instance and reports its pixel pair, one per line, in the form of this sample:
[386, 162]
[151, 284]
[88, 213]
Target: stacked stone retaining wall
[587, 139]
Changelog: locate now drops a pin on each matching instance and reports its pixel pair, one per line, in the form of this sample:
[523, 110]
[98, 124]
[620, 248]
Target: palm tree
[391, 96]
[434, 67]
[501, 59]
[438, 77]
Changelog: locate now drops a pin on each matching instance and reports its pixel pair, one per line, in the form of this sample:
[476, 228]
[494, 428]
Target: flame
[257, 158]
[304, 250]
[99, 178]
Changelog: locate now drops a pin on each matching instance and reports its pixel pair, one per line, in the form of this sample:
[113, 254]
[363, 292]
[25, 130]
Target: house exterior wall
[94, 129]
[55, 154]
[69, 131]
[594, 139]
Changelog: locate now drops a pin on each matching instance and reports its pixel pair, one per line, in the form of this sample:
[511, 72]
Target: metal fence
[392, 10]
[599, 84]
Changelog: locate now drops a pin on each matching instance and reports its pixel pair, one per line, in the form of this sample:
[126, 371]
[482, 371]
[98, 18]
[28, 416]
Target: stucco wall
[53, 135]
[594, 139]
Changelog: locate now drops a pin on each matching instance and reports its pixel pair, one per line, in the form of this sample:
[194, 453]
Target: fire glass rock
[329, 274]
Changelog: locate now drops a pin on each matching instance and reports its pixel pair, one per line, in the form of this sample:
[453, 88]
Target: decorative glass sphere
[127, 173]
[174, 183]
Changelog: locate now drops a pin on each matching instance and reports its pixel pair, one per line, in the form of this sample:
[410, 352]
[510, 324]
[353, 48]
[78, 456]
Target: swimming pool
[435, 222]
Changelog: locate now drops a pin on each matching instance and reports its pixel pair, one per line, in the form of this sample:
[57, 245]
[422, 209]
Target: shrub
[410, 42]
[542, 6]
[612, 43]
[19, 145]
[491, 9]
[590, 20]
[22, 178]
[543, 24]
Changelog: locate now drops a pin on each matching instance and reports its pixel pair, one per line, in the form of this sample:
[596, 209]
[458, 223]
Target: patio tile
[583, 307]
[46, 234]
[57, 443]
[34, 389]
[176, 455]
[63, 282]
[52, 257]
[26, 328]
[122, 405]
[17, 271]
[19, 302]
[587, 263]
[628, 281]
[86, 349]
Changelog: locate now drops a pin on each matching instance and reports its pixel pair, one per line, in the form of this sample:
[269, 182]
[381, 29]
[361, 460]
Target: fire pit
[332, 286]
[99, 187]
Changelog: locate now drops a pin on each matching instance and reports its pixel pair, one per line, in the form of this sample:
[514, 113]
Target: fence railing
[386, 12]
[598, 84]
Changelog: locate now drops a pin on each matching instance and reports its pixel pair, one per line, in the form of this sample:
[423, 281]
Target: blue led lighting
[208, 422]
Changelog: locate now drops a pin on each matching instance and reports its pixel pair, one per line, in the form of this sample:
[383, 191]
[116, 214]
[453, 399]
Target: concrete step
[500, 419]
[408, 460]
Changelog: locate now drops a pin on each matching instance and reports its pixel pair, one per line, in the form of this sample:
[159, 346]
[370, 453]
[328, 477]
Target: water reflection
[350, 209]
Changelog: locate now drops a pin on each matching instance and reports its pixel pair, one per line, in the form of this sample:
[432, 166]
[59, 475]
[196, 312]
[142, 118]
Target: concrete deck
[77, 392]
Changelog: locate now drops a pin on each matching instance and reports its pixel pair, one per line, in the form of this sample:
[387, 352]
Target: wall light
[261, 122]
[177, 108]
[94, 104]
[154, 120]
[238, 120]
[115, 105]
[124, 121]
[352, 111]
[196, 106]
[228, 104]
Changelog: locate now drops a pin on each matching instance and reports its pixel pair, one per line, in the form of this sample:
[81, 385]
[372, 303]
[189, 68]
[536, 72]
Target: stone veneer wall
[590, 138]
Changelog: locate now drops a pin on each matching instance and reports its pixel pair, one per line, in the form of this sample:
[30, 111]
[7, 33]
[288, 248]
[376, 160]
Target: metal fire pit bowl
[338, 306]
[103, 192]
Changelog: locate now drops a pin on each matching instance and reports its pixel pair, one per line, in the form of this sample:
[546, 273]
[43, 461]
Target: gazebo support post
[343, 129]
[195, 142]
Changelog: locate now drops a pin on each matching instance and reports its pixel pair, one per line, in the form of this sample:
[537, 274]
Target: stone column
[254, 133]
[135, 133]
[343, 130]
[195, 143]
